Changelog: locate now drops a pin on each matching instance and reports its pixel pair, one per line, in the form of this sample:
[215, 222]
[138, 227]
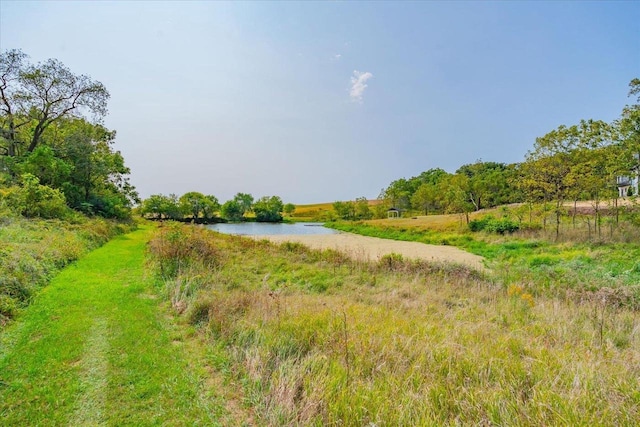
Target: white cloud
[336, 57]
[359, 84]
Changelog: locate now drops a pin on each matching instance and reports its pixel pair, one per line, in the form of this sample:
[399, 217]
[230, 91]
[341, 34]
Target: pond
[269, 229]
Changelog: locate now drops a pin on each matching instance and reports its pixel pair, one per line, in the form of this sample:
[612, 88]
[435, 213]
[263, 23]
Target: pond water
[269, 229]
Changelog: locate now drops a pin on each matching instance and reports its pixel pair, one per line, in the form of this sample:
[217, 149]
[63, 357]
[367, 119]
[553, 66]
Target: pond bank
[373, 248]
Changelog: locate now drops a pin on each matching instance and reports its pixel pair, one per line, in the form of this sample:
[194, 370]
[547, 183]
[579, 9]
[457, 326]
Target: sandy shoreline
[373, 248]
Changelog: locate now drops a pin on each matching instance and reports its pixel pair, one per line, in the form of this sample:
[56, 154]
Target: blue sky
[329, 101]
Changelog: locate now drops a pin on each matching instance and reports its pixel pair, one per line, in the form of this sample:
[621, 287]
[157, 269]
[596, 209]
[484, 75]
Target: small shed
[393, 212]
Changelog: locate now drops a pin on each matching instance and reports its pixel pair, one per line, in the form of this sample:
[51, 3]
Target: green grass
[318, 339]
[545, 266]
[96, 347]
[33, 251]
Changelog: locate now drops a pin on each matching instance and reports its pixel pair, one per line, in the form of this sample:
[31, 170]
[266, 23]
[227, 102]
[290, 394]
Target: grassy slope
[528, 258]
[317, 339]
[34, 250]
[94, 348]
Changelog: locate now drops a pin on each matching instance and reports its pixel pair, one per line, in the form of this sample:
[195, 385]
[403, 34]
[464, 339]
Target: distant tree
[244, 201]
[289, 209]
[33, 97]
[345, 210]
[268, 209]
[232, 211]
[488, 183]
[399, 193]
[425, 198]
[628, 131]
[192, 203]
[431, 176]
[210, 206]
[454, 195]
[361, 208]
[159, 206]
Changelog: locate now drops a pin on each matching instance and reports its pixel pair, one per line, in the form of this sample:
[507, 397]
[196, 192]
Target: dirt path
[373, 248]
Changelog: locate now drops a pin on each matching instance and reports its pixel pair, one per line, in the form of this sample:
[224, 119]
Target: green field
[177, 325]
[98, 347]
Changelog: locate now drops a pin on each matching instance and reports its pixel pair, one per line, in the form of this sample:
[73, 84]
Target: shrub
[493, 225]
[177, 246]
[35, 200]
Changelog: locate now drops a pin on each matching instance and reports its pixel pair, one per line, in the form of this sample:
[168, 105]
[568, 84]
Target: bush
[35, 200]
[494, 225]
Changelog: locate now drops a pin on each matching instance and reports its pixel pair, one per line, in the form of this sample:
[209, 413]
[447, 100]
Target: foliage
[244, 201]
[197, 205]
[268, 209]
[158, 206]
[232, 211]
[289, 208]
[493, 225]
[35, 200]
[44, 132]
[353, 210]
[36, 96]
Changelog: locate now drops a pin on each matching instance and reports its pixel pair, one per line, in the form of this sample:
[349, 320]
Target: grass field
[318, 339]
[177, 325]
[97, 347]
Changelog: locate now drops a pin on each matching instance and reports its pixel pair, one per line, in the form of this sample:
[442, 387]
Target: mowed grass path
[97, 347]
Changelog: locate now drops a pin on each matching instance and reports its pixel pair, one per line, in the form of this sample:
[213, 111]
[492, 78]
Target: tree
[244, 201]
[191, 203]
[454, 195]
[210, 206]
[425, 198]
[488, 183]
[399, 193]
[35, 96]
[161, 207]
[268, 209]
[345, 210]
[361, 208]
[232, 211]
[628, 131]
[289, 209]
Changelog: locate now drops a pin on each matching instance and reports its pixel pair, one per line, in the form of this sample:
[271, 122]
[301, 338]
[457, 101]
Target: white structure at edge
[626, 183]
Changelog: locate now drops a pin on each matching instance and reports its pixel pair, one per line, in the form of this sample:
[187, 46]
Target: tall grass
[316, 338]
[32, 251]
[572, 266]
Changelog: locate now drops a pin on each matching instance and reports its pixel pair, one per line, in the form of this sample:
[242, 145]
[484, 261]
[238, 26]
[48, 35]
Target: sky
[325, 101]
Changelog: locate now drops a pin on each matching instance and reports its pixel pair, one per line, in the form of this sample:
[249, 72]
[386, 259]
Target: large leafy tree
[244, 201]
[159, 206]
[268, 209]
[34, 96]
[232, 211]
[488, 183]
[426, 198]
[194, 203]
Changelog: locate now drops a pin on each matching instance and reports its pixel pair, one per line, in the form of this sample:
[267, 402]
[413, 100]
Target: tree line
[568, 164]
[55, 154]
[198, 207]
